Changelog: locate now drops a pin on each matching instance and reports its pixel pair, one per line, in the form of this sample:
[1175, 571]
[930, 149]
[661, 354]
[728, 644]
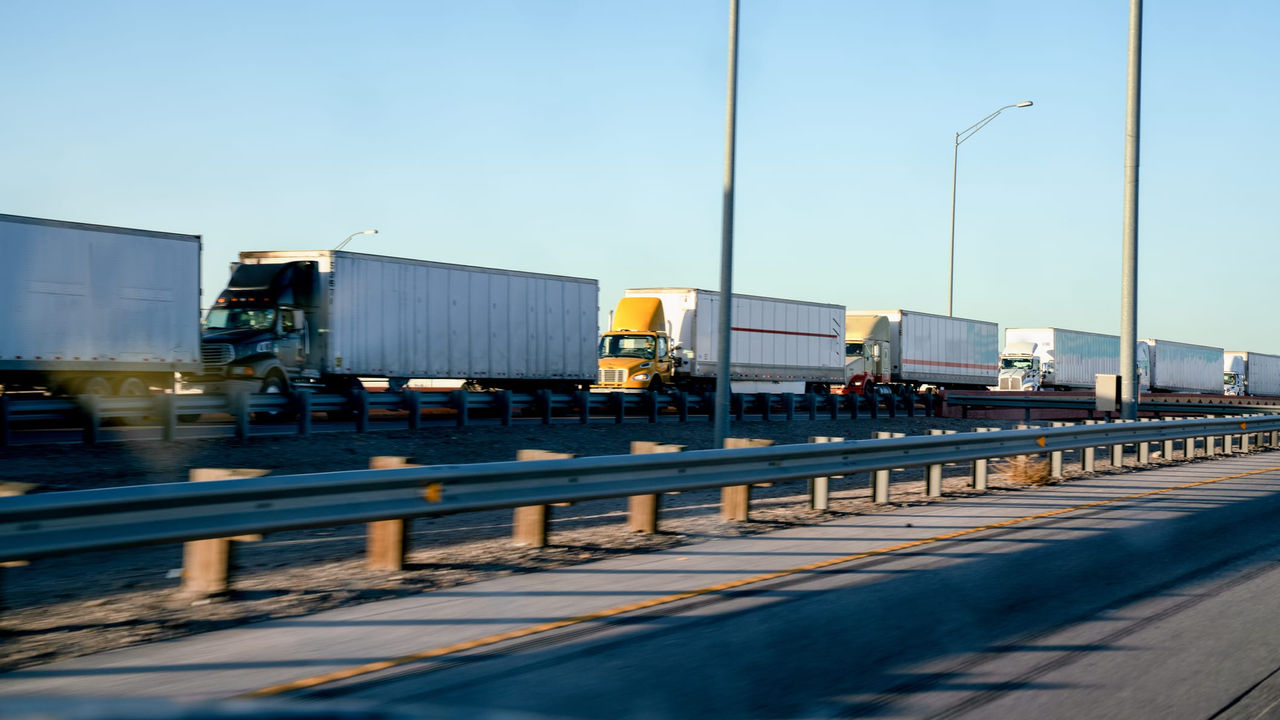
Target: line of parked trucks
[92, 309]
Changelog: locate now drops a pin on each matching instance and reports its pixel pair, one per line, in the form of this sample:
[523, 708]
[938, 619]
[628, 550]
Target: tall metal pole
[1129, 271]
[951, 261]
[721, 424]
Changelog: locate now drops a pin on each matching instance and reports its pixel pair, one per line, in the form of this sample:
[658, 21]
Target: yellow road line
[373, 667]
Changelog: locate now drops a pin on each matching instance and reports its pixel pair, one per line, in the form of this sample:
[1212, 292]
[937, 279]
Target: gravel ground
[63, 607]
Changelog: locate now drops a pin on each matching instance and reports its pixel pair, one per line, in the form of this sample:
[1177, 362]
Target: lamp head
[1024, 103]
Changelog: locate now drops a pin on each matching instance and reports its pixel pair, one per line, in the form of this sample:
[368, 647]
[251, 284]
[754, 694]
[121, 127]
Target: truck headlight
[245, 370]
[640, 377]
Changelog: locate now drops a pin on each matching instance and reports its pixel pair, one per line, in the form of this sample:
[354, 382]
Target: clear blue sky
[587, 138]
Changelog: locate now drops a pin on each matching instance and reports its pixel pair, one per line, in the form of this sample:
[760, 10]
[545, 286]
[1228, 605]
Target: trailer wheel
[95, 385]
[133, 387]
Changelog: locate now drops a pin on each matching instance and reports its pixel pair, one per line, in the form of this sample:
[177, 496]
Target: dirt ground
[63, 607]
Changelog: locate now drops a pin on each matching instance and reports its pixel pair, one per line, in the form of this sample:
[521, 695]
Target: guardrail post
[1166, 449]
[92, 418]
[1228, 444]
[1144, 448]
[766, 406]
[820, 487]
[1244, 442]
[833, 405]
[910, 400]
[880, 478]
[544, 405]
[853, 407]
[873, 400]
[303, 400]
[738, 405]
[1275, 439]
[682, 405]
[6, 415]
[651, 404]
[504, 407]
[643, 510]
[933, 478]
[1210, 445]
[206, 564]
[1087, 454]
[239, 400]
[387, 541]
[892, 404]
[584, 406]
[980, 465]
[1055, 457]
[412, 403]
[789, 406]
[618, 401]
[361, 396]
[532, 522]
[1117, 453]
[735, 501]
[461, 401]
[166, 409]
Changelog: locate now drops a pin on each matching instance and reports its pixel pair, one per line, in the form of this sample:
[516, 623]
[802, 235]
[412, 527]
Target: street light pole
[720, 415]
[955, 165]
[362, 232]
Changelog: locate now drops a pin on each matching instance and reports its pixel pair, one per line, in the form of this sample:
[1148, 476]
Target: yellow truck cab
[635, 354]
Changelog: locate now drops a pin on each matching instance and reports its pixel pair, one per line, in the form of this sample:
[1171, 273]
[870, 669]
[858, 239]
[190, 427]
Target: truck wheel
[94, 385]
[133, 387]
[273, 385]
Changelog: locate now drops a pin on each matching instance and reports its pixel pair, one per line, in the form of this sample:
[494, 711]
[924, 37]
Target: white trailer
[94, 309]
[1167, 366]
[1251, 373]
[1069, 359]
[923, 349]
[777, 345]
[328, 317]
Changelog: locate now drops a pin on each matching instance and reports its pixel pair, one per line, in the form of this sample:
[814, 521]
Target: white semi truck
[1056, 359]
[1250, 373]
[94, 309]
[326, 318]
[904, 350]
[664, 337]
[1167, 366]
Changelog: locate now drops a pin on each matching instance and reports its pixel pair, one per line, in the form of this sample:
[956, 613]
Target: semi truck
[662, 338]
[95, 309]
[323, 319]
[903, 351]
[1056, 359]
[1167, 366]
[1250, 373]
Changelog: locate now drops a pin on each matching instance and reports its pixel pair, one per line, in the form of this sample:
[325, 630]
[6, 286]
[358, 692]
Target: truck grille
[612, 375]
[1010, 383]
[216, 354]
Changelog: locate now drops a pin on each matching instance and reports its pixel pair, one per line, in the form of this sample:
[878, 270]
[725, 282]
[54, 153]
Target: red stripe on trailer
[938, 363]
[781, 332]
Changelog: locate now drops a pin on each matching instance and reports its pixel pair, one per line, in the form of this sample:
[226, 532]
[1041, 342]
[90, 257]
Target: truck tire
[273, 385]
[133, 387]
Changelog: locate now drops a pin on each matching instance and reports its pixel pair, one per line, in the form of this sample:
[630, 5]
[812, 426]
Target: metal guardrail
[90, 412]
[1152, 404]
[77, 521]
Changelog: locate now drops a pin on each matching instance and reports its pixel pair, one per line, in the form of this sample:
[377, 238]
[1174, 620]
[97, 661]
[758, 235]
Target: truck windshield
[636, 346]
[853, 349]
[240, 319]
[1015, 363]
[1229, 378]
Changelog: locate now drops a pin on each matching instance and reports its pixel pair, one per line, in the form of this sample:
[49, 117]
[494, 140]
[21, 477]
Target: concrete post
[980, 465]
[1087, 454]
[643, 510]
[1055, 457]
[387, 541]
[206, 564]
[819, 487]
[880, 478]
[531, 522]
[933, 478]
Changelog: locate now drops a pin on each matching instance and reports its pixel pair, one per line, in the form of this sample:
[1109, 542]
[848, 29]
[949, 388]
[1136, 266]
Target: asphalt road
[1074, 600]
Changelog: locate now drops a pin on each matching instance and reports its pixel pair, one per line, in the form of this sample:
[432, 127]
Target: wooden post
[167, 411]
[206, 564]
[304, 412]
[1087, 454]
[533, 521]
[412, 403]
[819, 487]
[643, 510]
[735, 501]
[387, 541]
[933, 477]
